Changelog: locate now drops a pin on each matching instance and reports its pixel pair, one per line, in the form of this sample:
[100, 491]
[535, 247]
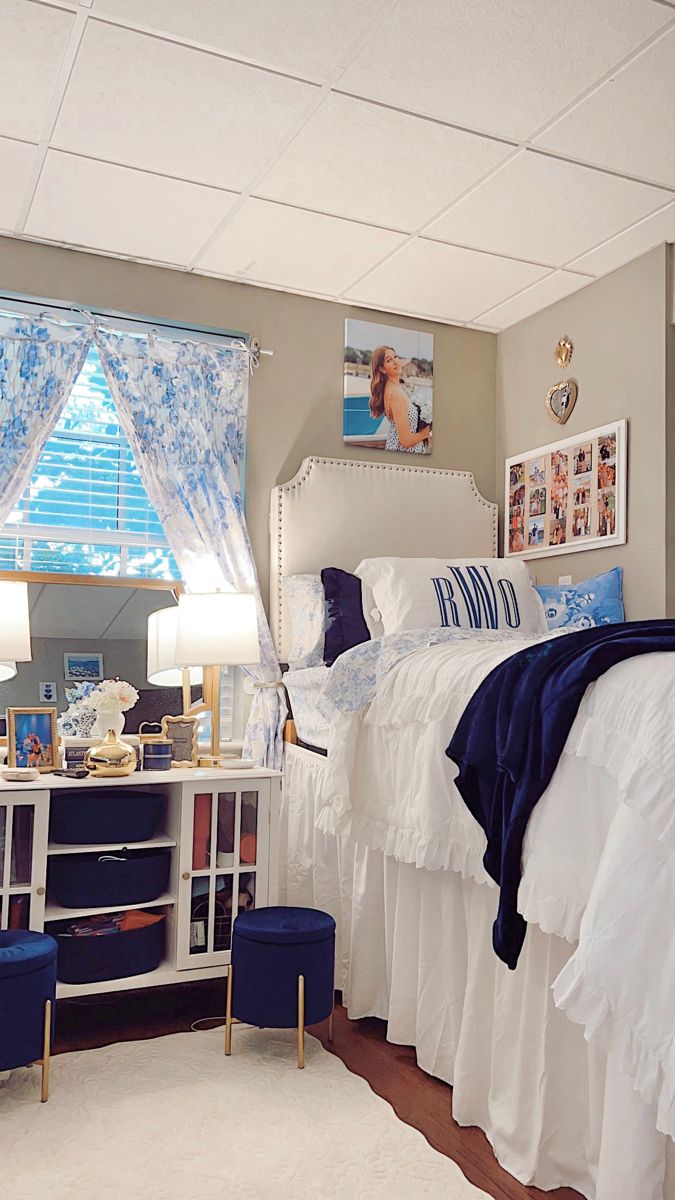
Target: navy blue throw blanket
[512, 733]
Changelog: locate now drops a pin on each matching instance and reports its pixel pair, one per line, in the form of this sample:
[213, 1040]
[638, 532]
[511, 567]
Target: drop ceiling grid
[638, 23]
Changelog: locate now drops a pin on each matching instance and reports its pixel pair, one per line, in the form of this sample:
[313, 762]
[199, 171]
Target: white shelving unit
[159, 842]
[221, 828]
[55, 912]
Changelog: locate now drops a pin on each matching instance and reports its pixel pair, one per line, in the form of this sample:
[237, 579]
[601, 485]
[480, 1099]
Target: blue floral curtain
[39, 363]
[183, 408]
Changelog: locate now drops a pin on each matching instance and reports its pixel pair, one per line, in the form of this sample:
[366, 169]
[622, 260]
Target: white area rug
[174, 1119]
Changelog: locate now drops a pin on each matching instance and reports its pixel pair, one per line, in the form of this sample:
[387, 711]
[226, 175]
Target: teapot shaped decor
[110, 757]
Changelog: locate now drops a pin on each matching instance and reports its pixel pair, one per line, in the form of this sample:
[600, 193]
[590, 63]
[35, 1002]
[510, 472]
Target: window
[86, 511]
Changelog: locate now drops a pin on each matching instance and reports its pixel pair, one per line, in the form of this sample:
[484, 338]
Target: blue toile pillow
[596, 601]
[345, 622]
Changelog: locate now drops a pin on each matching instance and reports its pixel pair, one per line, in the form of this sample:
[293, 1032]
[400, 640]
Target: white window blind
[85, 510]
[227, 699]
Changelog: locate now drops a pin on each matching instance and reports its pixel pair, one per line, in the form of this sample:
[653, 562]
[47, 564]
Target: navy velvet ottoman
[27, 994]
[282, 971]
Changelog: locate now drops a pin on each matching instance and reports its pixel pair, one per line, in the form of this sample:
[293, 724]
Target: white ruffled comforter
[599, 853]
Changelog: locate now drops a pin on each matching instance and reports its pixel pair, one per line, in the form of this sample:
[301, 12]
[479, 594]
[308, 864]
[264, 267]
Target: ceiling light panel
[505, 67]
[370, 163]
[549, 290]
[33, 38]
[448, 282]
[16, 160]
[627, 125]
[302, 37]
[545, 210]
[148, 103]
[296, 250]
[81, 202]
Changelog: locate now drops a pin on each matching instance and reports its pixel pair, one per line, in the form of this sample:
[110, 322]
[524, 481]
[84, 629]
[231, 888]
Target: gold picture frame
[24, 742]
[560, 400]
[182, 731]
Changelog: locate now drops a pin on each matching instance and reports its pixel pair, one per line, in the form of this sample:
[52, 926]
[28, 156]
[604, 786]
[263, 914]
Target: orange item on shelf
[247, 846]
[201, 835]
[135, 918]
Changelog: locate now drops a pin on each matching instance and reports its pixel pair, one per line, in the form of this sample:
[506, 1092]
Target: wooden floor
[391, 1071]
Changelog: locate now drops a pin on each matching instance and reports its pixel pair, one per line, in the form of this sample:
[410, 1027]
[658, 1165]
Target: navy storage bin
[115, 956]
[85, 817]
[99, 881]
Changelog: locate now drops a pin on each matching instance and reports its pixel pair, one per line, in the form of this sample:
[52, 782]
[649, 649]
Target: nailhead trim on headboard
[359, 465]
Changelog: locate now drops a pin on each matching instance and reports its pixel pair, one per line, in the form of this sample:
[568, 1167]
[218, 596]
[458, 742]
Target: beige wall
[618, 326]
[296, 397]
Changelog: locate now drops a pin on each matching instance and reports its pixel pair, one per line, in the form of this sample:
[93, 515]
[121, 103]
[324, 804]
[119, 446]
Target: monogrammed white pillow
[459, 593]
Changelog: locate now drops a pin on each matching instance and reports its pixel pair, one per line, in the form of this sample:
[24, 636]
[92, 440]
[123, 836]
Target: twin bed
[567, 1062]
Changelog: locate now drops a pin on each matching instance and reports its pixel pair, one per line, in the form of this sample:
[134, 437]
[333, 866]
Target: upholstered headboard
[336, 511]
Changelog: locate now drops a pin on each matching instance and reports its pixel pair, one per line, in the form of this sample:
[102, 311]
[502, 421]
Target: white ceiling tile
[293, 249]
[500, 66]
[136, 604]
[643, 237]
[81, 202]
[303, 37]
[373, 164]
[433, 279]
[148, 103]
[545, 210]
[33, 38]
[554, 287]
[68, 610]
[16, 160]
[629, 123]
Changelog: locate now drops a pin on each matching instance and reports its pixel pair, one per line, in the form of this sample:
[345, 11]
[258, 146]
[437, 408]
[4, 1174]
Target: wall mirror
[76, 619]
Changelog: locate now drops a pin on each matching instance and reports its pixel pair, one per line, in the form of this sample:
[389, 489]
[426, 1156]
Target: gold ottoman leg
[301, 1022]
[46, 1051]
[228, 1013]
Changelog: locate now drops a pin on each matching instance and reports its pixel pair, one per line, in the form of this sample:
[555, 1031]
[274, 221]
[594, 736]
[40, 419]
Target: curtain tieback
[251, 686]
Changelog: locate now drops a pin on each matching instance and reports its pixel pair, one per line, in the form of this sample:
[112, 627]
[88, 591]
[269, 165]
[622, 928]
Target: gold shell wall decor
[564, 351]
[561, 399]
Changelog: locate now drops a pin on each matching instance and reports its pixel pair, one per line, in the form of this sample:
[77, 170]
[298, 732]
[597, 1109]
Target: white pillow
[461, 593]
[307, 606]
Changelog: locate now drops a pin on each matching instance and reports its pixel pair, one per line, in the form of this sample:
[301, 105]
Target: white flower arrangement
[112, 696]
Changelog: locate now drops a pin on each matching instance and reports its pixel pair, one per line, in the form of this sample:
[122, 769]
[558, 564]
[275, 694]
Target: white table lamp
[14, 623]
[216, 629]
[7, 671]
[162, 669]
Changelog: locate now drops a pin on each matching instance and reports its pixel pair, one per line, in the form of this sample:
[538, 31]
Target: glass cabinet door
[222, 861]
[23, 848]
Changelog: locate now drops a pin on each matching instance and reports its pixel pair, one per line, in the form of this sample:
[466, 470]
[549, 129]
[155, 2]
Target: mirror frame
[157, 585]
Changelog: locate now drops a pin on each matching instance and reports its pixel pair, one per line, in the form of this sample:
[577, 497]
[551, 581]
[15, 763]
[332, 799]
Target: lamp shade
[162, 669]
[14, 622]
[7, 671]
[217, 629]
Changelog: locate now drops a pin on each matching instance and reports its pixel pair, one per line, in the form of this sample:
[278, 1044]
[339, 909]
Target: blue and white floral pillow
[307, 604]
[596, 601]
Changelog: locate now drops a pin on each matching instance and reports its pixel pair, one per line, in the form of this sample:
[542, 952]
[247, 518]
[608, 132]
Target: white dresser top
[141, 779]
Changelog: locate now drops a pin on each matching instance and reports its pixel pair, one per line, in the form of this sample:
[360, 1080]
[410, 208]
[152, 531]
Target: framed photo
[388, 387]
[568, 496]
[182, 733]
[83, 666]
[32, 740]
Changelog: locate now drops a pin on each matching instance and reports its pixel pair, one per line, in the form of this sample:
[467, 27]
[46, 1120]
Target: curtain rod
[253, 349]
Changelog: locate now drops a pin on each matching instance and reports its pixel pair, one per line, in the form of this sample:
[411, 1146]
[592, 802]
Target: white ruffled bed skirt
[415, 949]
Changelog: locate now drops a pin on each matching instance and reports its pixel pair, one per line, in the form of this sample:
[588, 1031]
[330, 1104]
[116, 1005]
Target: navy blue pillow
[345, 623]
